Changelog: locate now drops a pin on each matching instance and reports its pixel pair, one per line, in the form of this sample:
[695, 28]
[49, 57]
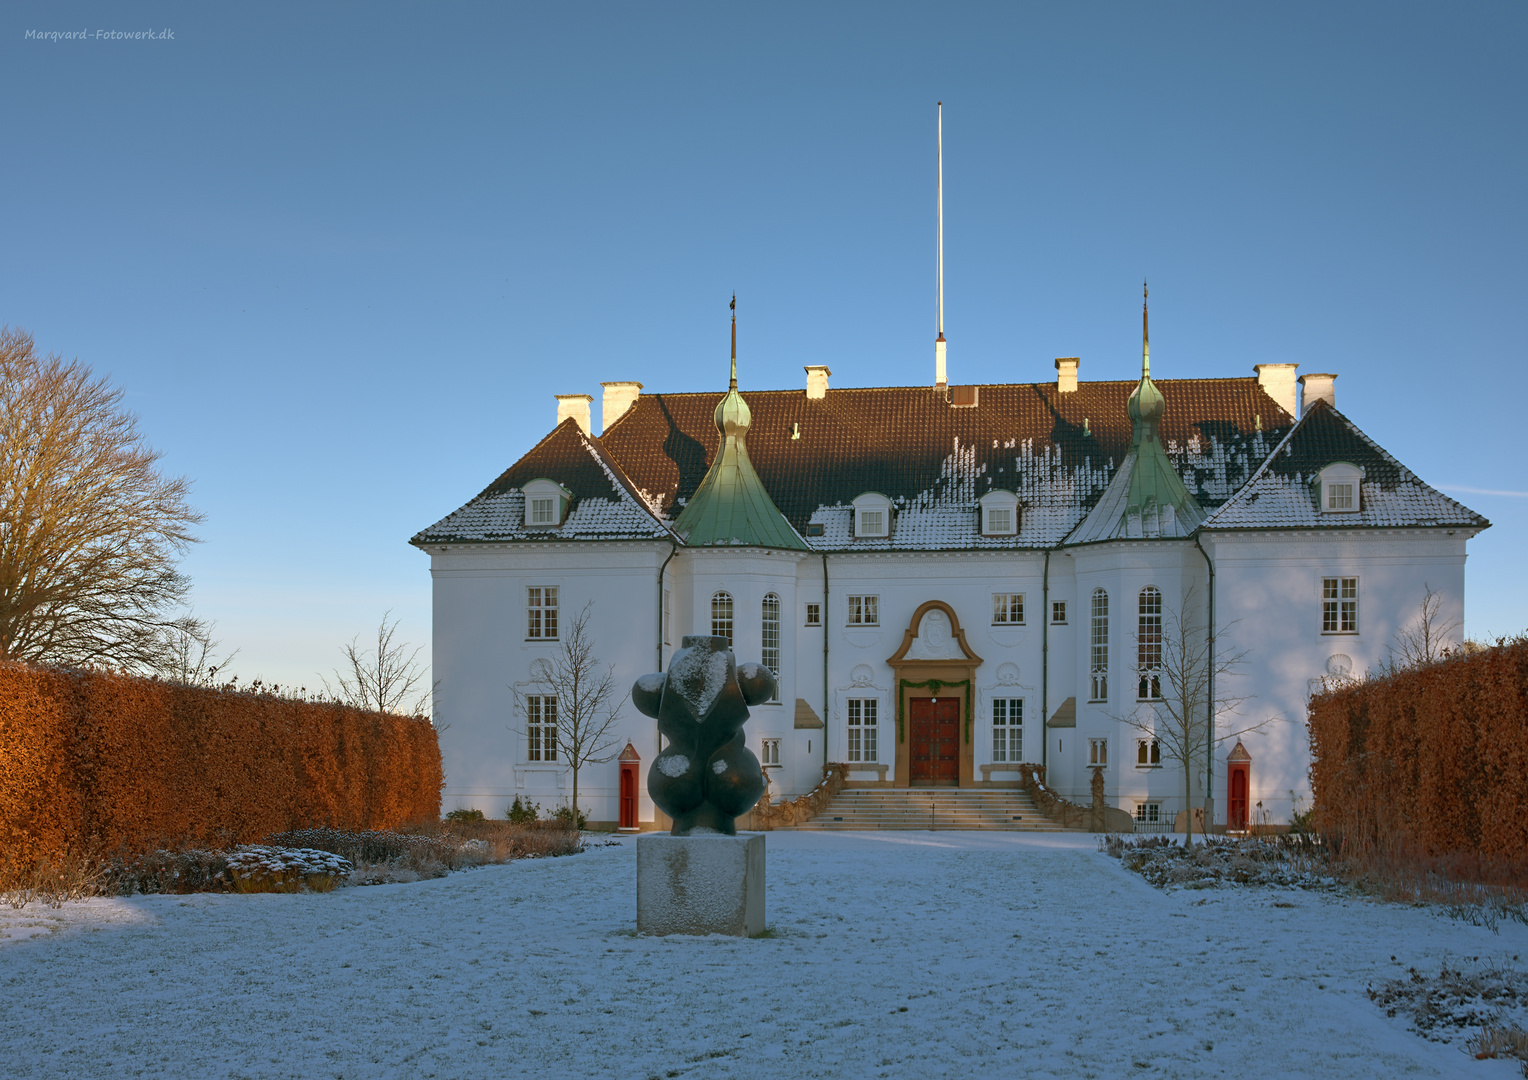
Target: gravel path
[894, 954]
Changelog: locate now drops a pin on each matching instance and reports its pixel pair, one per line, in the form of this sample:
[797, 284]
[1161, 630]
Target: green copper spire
[1146, 497]
[731, 506]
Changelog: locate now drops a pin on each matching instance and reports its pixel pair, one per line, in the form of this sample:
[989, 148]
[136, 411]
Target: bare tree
[587, 702]
[386, 680]
[1427, 640]
[1181, 677]
[190, 653]
[90, 530]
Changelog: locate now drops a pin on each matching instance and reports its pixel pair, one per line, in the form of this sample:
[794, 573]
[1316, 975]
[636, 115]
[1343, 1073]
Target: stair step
[1005, 810]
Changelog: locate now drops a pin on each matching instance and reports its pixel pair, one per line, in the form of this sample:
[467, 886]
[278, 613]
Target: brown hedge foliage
[96, 761]
[1431, 759]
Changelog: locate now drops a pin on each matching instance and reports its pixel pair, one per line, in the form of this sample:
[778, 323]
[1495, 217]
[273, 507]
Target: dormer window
[999, 513]
[546, 504]
[872, 516]
[1339, 488]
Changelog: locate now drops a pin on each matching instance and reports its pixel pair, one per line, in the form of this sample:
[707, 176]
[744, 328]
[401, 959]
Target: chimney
[1278, 382]
[1066, 373]
[619, 397]
[1318, 386]
[576, 406]
[816, 382]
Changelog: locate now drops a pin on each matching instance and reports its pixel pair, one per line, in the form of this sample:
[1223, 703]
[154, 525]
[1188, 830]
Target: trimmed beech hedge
[1431, 759]
[96, 761]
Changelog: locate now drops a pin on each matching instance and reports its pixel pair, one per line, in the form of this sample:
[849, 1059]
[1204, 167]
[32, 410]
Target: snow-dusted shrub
[1492, 997]
[165, 871]
[273, 869]
[1215, 862]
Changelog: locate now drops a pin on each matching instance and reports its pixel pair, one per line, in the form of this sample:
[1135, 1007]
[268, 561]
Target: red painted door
[628, 797]
[934, 739]
[1236, 798]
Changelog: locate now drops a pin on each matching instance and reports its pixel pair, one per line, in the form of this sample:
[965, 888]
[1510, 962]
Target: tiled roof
[604, 507]
[1057, 451]
[1282, 495]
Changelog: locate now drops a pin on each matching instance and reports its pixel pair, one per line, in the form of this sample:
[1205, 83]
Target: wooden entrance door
[1236, 797]
[934, 756]
[628, 797]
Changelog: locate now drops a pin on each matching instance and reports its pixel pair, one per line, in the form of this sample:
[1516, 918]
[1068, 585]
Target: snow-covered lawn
[895, 954]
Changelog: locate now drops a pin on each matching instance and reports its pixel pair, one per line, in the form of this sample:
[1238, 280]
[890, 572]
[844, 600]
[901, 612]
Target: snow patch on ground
[898, 954]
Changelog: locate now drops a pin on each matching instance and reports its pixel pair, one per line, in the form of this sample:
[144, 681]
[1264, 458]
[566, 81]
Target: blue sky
[341, 258]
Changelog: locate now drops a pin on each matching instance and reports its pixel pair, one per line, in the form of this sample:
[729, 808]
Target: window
[667, 612]
[999, 513]
[1099, 646]
[1148, 637]
[1098, 753]
[772, 639]
[1148, 754]
[1339, 605]
[1058, 612]
[864, 611]
[1008, 609]
[1148, 813]
[1339, 488]
[721, 616]
[872, 515]
[814, 614]
[543, 511]
[546, 503]
[541, 727]
[814, 528]
[862, 729]
[769, 752]
[1007, 730]
[541, 612]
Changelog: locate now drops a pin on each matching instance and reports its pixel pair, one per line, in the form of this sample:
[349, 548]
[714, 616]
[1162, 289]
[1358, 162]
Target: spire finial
[733, 384]
[1145, 333]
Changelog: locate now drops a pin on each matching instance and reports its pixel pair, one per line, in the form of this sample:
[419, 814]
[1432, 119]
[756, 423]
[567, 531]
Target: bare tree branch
[588, 701]
[1427, 640]
[90, 530]
[190, 653]
[1178, 718]
[385, 679]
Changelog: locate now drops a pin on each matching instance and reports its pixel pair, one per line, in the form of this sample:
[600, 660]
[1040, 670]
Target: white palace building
[948, 581]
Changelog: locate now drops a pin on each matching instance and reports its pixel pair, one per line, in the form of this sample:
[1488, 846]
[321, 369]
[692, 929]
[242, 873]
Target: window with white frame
[1098, 753]
[1148, 813]
[1008, 609]
[1007, 730]
[872, 515]
[546, 501]
[667, 612]
[1339, 605]
[1340, 488]
[1098, 657]
[1148, 754]
[814, 615]
[999, 512]
[541, 727]
[1148, 644]
[543, 511]
[862, 729]
[864, 611]
[541, 612]
[1058, 612]
[769, 752]
[721, 616]
[771, 632]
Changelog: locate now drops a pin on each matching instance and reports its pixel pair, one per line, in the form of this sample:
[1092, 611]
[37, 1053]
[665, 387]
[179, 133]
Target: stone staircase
[933, 808]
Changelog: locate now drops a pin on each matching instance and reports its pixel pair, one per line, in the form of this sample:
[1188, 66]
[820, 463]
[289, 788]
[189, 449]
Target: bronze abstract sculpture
[706, 777]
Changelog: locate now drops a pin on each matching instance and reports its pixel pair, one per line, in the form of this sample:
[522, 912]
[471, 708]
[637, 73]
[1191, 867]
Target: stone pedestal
[702, 884]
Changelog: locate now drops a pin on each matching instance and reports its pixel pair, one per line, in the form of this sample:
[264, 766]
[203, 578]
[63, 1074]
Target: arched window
[1099, 646]
[1148, 639]
[772, 639]
[721, 616]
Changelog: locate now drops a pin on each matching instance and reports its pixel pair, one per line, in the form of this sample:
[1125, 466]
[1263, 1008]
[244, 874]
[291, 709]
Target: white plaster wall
[1268, 596]
[480, 649]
